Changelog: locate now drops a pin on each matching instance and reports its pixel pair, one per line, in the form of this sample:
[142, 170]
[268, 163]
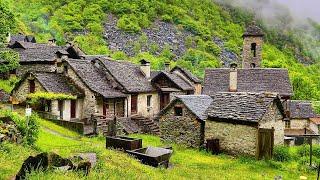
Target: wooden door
[134, 104]
[265, 143]
[73, 108]
[164, 100]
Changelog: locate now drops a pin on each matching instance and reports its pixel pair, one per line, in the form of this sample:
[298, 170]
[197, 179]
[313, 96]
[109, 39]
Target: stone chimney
[233, 80]
[167, 66]
[145, 68]
[52, 42]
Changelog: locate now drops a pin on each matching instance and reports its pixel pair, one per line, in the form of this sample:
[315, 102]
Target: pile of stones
[9, 131]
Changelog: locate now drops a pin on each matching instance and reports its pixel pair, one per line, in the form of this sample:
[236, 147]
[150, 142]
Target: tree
[7, 22]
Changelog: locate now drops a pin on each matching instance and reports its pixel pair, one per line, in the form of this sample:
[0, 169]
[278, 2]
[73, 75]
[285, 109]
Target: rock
[84, 166]
[33, 163]
[91, 157]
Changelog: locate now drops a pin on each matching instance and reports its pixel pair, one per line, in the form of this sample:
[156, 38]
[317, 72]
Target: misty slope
[199, 35]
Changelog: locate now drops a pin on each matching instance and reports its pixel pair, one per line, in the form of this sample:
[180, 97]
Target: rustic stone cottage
[300, 122]
[65, 109]
[246, 123]
[183, 120]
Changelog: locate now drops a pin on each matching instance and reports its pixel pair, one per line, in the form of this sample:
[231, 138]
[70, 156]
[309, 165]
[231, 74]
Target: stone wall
[184, 130]
[274, 119]
[299, 123]
[24, 68]
[247, 56]
[89, 101]
[24, 89]
[143, 109]
[234, 138]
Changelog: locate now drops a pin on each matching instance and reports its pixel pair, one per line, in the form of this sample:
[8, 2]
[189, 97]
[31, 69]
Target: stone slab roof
[57, 83]
[301, 109]
[249, 80]
[249, 107]
[128, 75]
[188, 74]
[253, 30]
[94, 78]
[182, 84]
[197, 104]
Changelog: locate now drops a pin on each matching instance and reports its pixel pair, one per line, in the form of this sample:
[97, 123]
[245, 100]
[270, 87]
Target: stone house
[65, 109]
[300, 121]
[183, 120]
[246, 123]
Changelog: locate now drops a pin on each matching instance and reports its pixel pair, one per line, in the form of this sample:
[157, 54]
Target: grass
[112, 164]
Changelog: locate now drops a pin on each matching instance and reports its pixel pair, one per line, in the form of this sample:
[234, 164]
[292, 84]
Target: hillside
[194, 35]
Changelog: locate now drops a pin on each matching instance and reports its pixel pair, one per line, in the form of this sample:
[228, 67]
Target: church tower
[252, 47]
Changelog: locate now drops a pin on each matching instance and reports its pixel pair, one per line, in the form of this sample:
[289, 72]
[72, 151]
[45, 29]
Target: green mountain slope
[83, 21]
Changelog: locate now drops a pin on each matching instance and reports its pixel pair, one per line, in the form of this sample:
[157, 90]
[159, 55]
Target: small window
[287, 124]
[149, 97]
[32, 86]
[178, 111]
[252, 65]
[13, 72]
[254, 49]
[65, 69]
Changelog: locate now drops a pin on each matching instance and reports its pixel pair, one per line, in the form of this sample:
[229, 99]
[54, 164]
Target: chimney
[167, 66]
[233, 80]
[52, 42]
[145, 68]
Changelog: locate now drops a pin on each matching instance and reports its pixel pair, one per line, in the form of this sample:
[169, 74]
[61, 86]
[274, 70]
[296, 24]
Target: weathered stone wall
[314, 127]
[24, 89]
[274, 119]
[143, 109]
[89, 101]
[234, 138]
[247, 56]
[184, 129]
[23, 69]
[299, 123]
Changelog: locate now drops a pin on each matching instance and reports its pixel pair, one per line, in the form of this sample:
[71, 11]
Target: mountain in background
[192, 34]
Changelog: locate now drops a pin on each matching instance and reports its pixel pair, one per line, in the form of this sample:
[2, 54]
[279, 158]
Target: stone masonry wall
[234, 138]
[22, 92]
[89, 101]
[274, 119]
[35, 67]
[298, 123]
[143, 109]
[247, 57]
[184, 129]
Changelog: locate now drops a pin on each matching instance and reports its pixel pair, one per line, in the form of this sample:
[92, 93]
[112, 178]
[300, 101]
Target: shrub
[28, 127]
[119, 55]
[129, 23]
[281, 153]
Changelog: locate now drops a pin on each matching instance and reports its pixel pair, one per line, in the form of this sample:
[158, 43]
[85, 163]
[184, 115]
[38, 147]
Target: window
[252, 65]
[149, 100]
[254, 49]
[287, 124]
[65, 69]
[13, 72]
[32, 86]
[178, 111]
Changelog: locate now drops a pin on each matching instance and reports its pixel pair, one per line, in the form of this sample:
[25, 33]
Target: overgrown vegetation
[8, 85]
[83, 21]
[33, 98]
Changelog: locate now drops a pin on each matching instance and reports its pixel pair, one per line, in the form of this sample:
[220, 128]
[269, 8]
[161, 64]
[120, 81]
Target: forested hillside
[199, 34]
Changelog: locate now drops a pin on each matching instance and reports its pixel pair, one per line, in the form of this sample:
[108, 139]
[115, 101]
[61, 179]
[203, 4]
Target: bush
[29, 128]
[129, 23]
[281, 153]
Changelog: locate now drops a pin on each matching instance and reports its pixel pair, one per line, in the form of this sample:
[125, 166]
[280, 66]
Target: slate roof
[128, 75]
[57, 83]
[253, 30]
[301, 109]
[17, 37]
[94, 78]
[188, 74]
[197, 104]
[250, 107]
[34, 52]
[249, 80]
[177, 80]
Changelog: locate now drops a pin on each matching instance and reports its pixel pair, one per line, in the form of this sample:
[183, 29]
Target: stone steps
[147, 125]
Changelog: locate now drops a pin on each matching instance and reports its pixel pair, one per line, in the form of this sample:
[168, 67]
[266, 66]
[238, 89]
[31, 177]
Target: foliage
[316, 106]
[8, 85]
[129, 23]
[281, 153]
[28, 127]
[35, 97]
[10, 60]
[7, 22]
[92, 44]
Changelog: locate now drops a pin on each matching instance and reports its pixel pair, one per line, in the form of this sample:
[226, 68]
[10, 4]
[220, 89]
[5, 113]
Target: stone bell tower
[252, 47]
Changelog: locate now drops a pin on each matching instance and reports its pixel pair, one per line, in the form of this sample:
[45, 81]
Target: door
[60, 106]
[32, 86]
[265, 143]
[134, 104]
[73, 108]
[164, 100]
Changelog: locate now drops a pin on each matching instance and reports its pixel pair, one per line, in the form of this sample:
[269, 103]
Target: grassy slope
[187, 163]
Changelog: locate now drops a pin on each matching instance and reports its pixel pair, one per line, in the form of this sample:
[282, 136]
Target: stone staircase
[146, 124]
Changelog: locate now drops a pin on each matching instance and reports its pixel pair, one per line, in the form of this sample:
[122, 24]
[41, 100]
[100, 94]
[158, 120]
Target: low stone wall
[184, 129]
[234, 139]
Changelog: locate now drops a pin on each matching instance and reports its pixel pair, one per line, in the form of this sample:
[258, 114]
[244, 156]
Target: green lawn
[187, 163]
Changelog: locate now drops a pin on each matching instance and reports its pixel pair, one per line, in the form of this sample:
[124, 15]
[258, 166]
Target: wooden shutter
[134, 104]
